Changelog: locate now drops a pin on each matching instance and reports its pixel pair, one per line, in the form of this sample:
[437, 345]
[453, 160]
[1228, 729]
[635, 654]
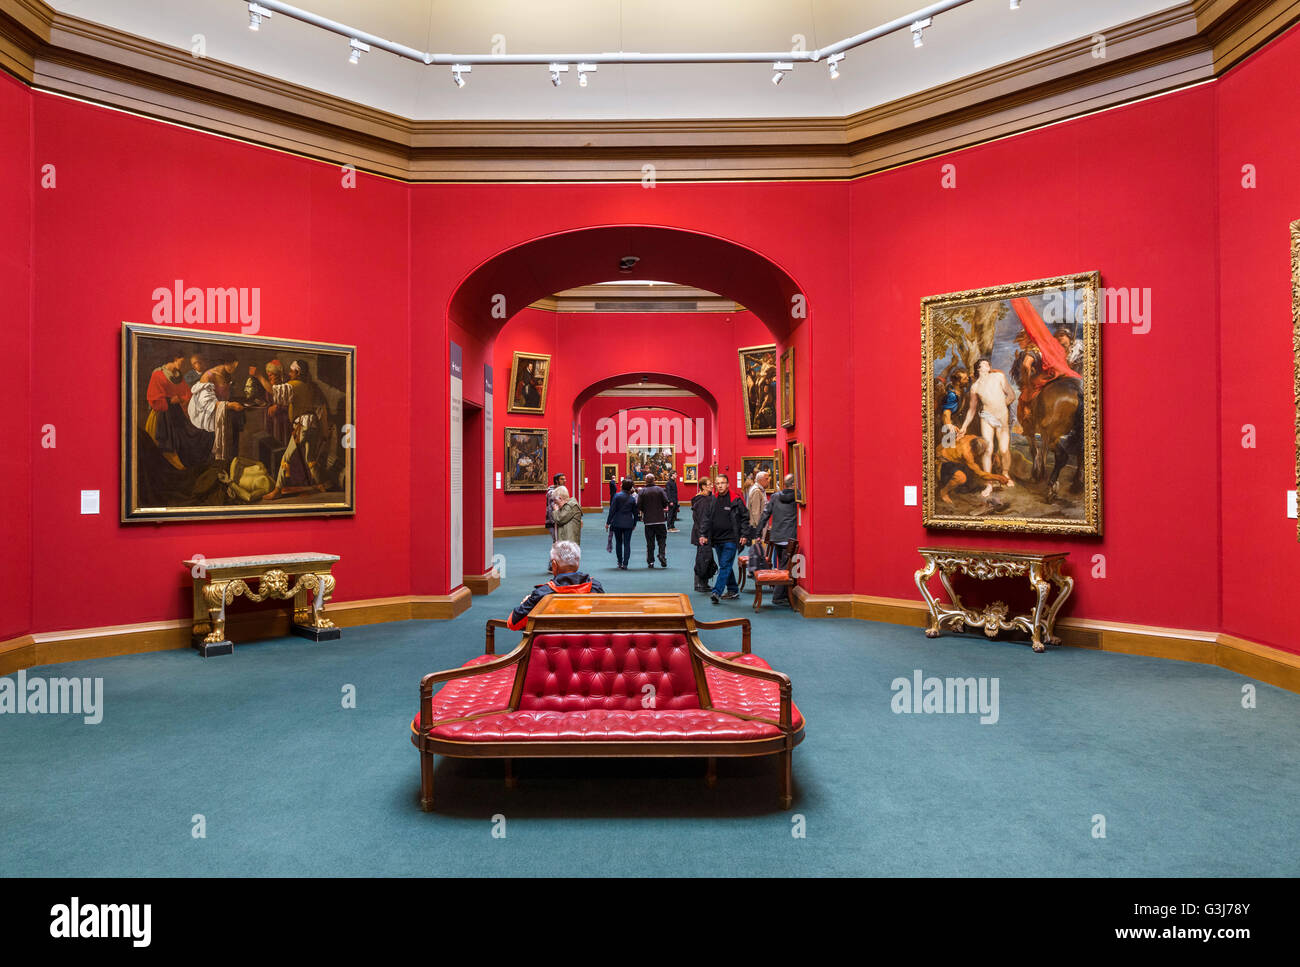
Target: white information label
[1290, 504]
[909, 496]
[90, 502]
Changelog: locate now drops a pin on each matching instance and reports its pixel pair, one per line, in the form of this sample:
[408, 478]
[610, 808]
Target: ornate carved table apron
[1042, 570]
[218, 581]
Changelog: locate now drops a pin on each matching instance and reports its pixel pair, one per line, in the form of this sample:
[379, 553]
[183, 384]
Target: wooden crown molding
[1191, 42]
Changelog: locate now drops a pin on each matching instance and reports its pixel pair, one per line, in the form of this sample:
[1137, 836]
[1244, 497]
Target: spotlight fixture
[256, 12]
[456, 71]
[583, 70]
[833, 65]
[1015, 4]
[917, 27]
[627, 263]
[357, 48]
[779, 70]
[556, 71]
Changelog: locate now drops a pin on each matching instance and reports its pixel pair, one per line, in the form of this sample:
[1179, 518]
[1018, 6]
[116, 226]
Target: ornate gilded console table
[1042, 570]
[218, 581]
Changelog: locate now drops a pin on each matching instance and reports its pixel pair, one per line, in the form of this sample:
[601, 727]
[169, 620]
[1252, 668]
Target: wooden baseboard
[537, 531]
[55, 647]
[483, 583]
[1249, 658]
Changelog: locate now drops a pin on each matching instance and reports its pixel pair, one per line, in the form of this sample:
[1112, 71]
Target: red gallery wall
[18, 183]
[647, 409]
[1148, 194]
[138, 205]
[1258, 107]
[1129, 192]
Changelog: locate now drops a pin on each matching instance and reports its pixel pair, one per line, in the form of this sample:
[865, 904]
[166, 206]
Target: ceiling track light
[583, 71]
[356, 49]
[779, 70]
[1015, 4]
[833, 65]
[456, 71]
[917, 28]
[256, 13]
[556, 70]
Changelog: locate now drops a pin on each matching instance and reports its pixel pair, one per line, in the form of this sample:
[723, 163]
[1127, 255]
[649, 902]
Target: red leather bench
[609, 675]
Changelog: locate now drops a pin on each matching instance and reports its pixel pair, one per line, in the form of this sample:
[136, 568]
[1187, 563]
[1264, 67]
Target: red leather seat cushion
[771, 575]
[576, 672]
[606, 725]
[477, 693]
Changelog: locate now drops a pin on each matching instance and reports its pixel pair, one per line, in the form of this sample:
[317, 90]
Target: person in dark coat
[674, 505]
[652, 503]
[705, 566]
[725, 527]
[781, 518]
[622, 518]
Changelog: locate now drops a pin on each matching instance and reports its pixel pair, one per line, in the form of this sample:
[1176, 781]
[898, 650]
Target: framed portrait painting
[799, 467]
[691, 473]
[223, 425]
[1011, 409]
[525, 459]
[787, 388]
[758, 388]
[646, 461]
[530, 375]
[608, 472]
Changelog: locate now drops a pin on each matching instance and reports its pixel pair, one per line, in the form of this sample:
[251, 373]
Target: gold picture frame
[1295, 339]
[660, 460]
[798, 467]
[787, 388]
[525, 459]
[529, 395]
[691, 473]
[996, 442]
[752, 465]
[759, 389]
[242, 450]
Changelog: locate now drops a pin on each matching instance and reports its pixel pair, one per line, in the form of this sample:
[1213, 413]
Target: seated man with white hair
[565, 579]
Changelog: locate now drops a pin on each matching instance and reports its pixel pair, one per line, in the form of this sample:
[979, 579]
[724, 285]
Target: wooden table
[219, 580]
[1042, 570]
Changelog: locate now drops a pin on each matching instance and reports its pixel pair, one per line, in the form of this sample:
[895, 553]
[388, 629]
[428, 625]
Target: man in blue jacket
[565, 579]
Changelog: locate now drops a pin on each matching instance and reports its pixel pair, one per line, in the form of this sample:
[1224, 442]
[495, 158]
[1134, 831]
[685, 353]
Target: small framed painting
[525, 459]
[787, 388]
[799, 467]
[690, 473]
[647, 461]
[529, 375]
[608, 472]
[754, 465]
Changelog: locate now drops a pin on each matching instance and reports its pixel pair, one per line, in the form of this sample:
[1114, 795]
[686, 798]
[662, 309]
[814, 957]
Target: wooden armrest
[781, 680]
[436, 678]
[729, 623]
[490, 645]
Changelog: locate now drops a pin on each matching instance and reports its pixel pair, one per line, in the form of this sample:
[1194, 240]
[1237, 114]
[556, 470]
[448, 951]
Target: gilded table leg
[215, 595]
[1064, 585]
[309, 620]
[1041, 586]
[922, 576]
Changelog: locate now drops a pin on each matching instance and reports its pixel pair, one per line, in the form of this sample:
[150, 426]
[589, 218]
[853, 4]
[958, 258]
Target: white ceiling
[969, 39]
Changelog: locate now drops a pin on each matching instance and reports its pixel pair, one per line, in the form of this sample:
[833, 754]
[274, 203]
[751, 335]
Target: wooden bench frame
[546, 620]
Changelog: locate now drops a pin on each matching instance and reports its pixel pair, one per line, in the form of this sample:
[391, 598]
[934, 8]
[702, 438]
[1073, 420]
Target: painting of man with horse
[1011, 412]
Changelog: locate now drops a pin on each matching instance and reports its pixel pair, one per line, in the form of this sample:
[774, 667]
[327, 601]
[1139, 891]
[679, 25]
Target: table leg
[1041, 586]
[215, 596]
[932, 620]
[1064, 585]
[309, 619]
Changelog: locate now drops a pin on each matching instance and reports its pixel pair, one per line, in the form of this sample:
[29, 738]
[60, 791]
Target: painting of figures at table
[220, 425]
[1012, 424]
[645, 461]
[758, 384]
[525, 465]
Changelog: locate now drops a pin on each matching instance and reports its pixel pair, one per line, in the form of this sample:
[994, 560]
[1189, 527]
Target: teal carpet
[291, 783]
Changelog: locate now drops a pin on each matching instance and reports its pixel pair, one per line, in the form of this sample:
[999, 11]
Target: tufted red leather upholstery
[579, 672]
[606, 725]
[748, 696]
[476, 693]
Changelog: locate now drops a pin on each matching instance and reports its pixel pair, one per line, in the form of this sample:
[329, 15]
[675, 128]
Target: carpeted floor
[289, 782]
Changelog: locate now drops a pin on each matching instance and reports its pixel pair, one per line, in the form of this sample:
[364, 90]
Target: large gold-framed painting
[525, 459]
[226, 425]
[1011, 413]
[758, 386]
[646, 461]
[1295, 340]
[530, 374]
